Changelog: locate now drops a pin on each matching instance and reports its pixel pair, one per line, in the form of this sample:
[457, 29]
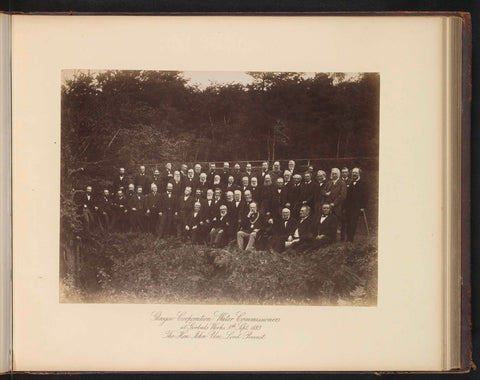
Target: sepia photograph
[218, 187]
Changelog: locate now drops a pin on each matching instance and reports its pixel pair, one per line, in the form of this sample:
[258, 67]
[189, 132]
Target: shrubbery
[141, 268]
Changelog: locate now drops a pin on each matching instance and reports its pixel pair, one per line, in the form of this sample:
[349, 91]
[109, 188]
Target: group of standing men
[281, 209]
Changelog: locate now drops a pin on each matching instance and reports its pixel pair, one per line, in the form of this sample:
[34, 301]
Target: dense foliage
[128, 117]
[132, 268]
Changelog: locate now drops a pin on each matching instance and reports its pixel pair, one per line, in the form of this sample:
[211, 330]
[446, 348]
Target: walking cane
[365, 221]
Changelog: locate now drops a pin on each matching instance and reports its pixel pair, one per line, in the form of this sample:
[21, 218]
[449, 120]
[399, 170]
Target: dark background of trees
[126, 118]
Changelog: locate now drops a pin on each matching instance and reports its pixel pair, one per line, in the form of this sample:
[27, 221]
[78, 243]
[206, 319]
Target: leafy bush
[144, 269]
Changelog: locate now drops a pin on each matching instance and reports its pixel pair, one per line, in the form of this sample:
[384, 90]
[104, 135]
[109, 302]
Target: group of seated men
[271, 208]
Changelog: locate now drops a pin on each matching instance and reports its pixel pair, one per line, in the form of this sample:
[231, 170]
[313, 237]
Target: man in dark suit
[120, 182]
[130, 191]
[320, 187]
[282, 228]
[245, 184]
[211, 173]
[221, 229]
[276, 172]
[202, 184]
[237, 174]
[157, 179]
[291, 168]
[217, 183]
[355, 202]
[152, 208]
[177, 184]
[143, 180]
[197, 171]
[185, 206]
[194, 224]
[217, 202]
[209, 207]
[264, 193]
[335, 192]
[183, 171]
[238, 209]
[136, 209]
[86, 208]
[250, 228]
[307, 190]
[120, 212]
[168, 212]
[302, 237]
[326, 227]
[279, 199]
[105, 211]
[294, 195]
[345, 176]
[248, 171]
[231, 186]
[225, 172]
[190, 180]
[167, 173]
[255, 190]
[263, 172]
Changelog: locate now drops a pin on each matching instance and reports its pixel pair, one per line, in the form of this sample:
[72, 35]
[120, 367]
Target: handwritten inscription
[217, 325]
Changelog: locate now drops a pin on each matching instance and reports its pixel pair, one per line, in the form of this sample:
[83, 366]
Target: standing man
[320, 187]
[307, 190]
[237, 174]
[105, 211]
[355, 202]
[142, 179]
[136, 208]
[152, 206]
[183, 171]
[85, 203]
[120, 210]
[291, 167]
[168, 173]
[157, 179]
[185, 206]
[202, 184]
[294, 195]
[276, 171]
[211, 173]
[168, 211]
[345, 176]
[263, 171]
[279, 199]
[120, 182]
[336, 192]
[198, 171]
[190, 180]
[248, 171]
[231, 186]
[225, 172]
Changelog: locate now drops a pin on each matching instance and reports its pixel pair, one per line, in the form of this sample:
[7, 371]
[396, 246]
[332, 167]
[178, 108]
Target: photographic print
[184, 187]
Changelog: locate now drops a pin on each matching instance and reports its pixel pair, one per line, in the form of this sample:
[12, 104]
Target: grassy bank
[131, 268]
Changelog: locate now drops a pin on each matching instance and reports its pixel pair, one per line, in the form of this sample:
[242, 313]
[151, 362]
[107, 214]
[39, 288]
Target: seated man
[221, 231]
[194, 225]
[281, 230]
[326, 227]
[250, 228]
[302, 237]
